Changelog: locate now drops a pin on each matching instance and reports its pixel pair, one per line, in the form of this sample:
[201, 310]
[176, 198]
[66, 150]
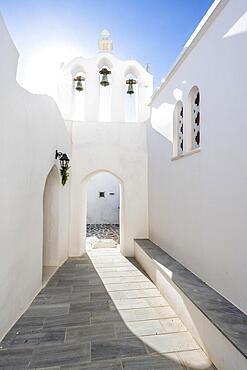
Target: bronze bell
[78, 81]
[104, 81]
[130, 82]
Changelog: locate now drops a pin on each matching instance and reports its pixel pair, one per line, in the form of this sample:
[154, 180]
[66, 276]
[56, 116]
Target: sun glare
[40, 72]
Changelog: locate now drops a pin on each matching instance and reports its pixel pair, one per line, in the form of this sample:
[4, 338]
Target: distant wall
[31, 130]
[120, 149]
[103, 209]
[198, 203]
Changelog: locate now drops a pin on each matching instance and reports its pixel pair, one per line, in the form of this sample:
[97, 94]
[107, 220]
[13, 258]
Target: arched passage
[50, 224]
[103, 207]
[105, 180]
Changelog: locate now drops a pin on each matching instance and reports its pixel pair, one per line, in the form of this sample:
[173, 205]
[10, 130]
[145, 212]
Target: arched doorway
[103, 211]
[102, 208]
[50, 224]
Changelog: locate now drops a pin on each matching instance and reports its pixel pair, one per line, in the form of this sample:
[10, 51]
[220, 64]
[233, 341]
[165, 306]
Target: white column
[118, 90]
[92, 93]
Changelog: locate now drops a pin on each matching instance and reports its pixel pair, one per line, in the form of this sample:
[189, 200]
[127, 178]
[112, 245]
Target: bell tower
[105, 43]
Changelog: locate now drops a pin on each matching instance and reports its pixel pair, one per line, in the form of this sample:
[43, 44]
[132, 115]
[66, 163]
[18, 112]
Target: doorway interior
[103, 211]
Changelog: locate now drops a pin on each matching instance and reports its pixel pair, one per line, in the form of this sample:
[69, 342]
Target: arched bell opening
[79, 92]
[105, 93]
[131, 94]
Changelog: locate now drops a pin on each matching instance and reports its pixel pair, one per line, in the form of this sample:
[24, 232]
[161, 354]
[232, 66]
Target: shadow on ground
[75, 323]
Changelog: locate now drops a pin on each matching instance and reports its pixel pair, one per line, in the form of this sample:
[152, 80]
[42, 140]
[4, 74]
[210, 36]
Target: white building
[179, 159]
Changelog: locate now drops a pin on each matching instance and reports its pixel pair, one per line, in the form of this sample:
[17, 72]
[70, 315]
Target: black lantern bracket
[64, 163]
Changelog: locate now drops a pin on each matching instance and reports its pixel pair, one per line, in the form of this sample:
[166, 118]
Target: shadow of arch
[84, 182]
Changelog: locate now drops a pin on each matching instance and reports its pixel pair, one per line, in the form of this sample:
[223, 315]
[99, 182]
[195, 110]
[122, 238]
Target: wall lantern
[64, 163]
[104, 81]
[130, 82]
[79, 80]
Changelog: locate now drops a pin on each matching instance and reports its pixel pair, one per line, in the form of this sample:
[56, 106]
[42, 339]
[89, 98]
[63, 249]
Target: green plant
[64, 171]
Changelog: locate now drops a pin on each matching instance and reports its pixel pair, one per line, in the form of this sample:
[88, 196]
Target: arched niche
[50, 253]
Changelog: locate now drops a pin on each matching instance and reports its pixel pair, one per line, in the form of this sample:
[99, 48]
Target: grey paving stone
[91, 307]
[55, 290]
[110, 349]
[79, 326]
[43, 337]
[88, 333]
[15, 358]
[90, 289]
[47, 368]
[29, 322]
[96, 365]
[101, 317]
[100, 296]
[60, 355]
[72, 319]
[83, 297]
[47, 310]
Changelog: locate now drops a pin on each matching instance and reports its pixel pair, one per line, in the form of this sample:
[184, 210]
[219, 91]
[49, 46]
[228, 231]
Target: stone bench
[217, 325]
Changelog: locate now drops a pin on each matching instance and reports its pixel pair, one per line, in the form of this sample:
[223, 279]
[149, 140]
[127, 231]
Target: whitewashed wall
[31, 130]
[120, 149]
[198, 203]
[103, 210]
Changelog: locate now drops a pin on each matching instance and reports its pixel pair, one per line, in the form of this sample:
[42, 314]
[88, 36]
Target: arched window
[195, 118]
[178, 129]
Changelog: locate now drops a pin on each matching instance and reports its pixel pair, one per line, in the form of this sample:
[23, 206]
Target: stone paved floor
[100, 312]
[103, 231]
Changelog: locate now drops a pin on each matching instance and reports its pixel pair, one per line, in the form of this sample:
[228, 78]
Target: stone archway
[103, 211]
[83, 217]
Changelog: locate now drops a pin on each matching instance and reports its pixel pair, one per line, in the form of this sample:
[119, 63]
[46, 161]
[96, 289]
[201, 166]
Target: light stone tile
[123, 304]
[113, 268]
[120, 273]
[129, 286]
[171, 342]
[148, 327]
[173, 325]
[149, 313]
[196, 360]
[124, 279]
[142, 328]
[135, 293]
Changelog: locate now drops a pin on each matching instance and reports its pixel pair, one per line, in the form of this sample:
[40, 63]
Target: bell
[78, 81]
[130, 82]
[104, 81]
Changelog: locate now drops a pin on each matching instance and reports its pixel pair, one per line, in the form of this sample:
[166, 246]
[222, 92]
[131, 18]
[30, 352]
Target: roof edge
[212, 13]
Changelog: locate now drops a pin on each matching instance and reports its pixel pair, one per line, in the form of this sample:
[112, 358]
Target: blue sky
[149, 31]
